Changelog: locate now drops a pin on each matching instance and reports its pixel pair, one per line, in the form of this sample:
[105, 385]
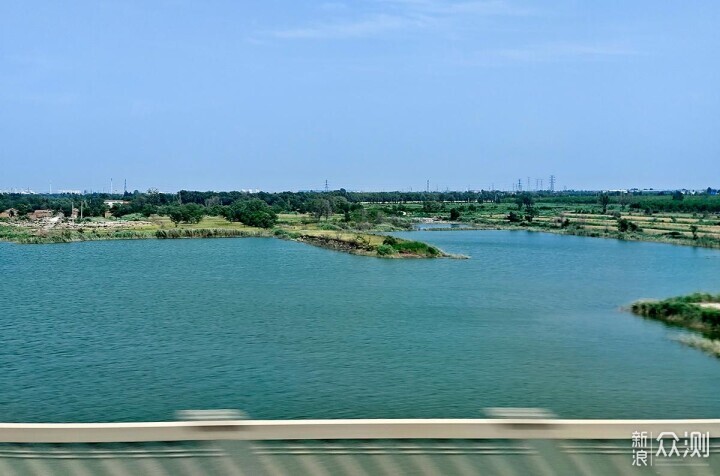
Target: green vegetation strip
[698, 311]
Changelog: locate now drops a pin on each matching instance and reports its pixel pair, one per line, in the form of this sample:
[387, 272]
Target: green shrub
[390, 240]
[514, 217]
[416, 247]
[626, 225]
[385, 250]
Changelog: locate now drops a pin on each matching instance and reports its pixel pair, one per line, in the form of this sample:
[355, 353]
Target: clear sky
[372, 95]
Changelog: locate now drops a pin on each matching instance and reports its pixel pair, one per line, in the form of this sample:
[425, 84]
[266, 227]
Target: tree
[604, 201]
[188, 213]
[678, 195]
[524, 199]
[340, 204]
[514, 217]
[253, 212]
[193, 213]
[175, 214]
[120, 210]
[454, 214]
[375, 216]
[322, 207]
[694, 230]
[530, 213]
[626, 225]
[431, 206]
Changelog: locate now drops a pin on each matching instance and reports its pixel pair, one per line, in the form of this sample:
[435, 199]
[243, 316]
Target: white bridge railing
[352, 429]
[498, 446]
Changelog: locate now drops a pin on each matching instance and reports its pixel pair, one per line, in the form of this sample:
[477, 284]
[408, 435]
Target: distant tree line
[261, 208]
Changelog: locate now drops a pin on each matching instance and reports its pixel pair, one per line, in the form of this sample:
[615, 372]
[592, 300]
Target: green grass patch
[686, 311]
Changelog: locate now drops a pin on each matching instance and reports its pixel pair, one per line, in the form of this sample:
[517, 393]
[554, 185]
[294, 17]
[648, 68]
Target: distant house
[39, 214]
[9, 213]
[114, 203]
[74, 214]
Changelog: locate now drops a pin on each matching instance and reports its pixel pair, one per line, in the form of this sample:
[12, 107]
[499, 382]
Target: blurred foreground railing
[509, 446]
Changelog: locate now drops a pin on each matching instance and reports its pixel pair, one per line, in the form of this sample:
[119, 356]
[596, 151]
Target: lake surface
[134, 330]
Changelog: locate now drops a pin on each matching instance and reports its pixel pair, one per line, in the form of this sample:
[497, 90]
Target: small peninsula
[697, 312]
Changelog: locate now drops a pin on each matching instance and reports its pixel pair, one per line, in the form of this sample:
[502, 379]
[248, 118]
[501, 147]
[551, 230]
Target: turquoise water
[134, 330]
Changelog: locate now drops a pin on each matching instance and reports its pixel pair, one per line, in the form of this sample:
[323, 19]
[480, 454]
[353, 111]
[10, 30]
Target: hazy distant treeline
[192, 205]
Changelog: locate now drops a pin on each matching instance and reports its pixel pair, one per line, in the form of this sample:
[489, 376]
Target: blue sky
[372, 95]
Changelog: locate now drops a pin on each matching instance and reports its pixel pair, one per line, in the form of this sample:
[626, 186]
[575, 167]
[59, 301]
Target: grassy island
[698, 311]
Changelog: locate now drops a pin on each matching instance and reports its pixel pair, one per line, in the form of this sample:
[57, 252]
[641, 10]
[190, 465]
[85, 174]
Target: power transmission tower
[427, 186]
[326, 187]
[519, 185]
[552, 183]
